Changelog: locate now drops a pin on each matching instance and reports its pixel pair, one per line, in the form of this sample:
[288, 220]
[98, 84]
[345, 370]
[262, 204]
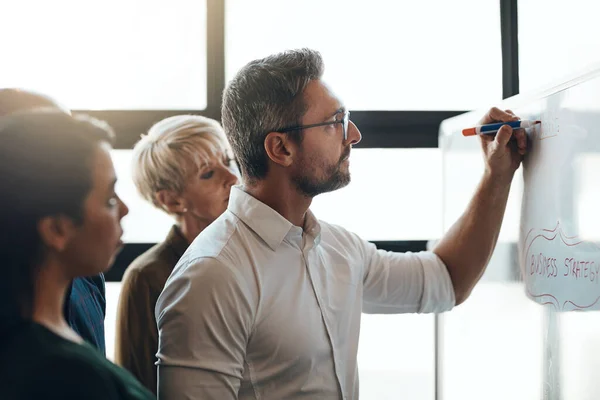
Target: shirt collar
[176, 241]
[271, 226]
[312, 227]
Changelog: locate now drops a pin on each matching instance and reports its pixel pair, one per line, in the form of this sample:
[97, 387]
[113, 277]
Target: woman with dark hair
[85, 302]
[59, 219]
[13, 100]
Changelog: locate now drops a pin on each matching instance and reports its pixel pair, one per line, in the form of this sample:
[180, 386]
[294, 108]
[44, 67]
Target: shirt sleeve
[136, 336]
[405, 282]
[204, 317]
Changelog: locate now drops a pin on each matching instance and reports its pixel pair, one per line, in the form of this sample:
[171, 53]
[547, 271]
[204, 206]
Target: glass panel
[556, 39]
[492, 346]
[586, 168]
[462, 170]
[381, 203]
[396, 357]
[113, 54]
[380, 54]
[501, 338]
[578, 355]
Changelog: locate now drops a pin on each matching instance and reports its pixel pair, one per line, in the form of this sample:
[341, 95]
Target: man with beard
[266, 302]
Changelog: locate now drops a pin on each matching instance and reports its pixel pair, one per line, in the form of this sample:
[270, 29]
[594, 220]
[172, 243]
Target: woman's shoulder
[41, 360]
[93, 376]
[46, 365]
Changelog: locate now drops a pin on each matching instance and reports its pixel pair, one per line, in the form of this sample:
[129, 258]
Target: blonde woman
[184, 167]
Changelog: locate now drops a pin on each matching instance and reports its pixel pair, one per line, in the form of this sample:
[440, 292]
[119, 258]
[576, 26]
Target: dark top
[136, 341]
[38, 364]
[85, 308]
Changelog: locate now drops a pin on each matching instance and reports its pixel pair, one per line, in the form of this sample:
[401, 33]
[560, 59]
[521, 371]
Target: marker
[490, 129]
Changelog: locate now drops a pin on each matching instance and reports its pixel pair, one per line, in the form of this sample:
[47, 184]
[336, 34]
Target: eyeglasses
[344, 121]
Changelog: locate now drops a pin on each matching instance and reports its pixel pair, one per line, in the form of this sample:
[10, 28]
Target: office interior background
[401, 66]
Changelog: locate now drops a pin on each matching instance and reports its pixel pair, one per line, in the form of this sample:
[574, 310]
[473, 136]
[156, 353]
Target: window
[144, 223]
[113, 290]
[394, 195]
[113, 54]
[380, 54]
[555, 40]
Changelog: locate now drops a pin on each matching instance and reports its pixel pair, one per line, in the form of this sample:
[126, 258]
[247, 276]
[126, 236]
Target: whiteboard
[519, 325]
[557, 222]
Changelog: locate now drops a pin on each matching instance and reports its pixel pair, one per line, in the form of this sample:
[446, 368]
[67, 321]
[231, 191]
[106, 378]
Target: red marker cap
[469, 131]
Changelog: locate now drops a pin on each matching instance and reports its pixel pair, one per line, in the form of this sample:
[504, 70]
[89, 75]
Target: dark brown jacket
[136, 341]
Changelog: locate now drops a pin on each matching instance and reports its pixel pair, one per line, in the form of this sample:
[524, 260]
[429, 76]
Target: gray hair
[265, 96]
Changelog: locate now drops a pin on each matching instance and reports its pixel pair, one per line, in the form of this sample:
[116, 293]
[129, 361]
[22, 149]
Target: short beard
[311, 187]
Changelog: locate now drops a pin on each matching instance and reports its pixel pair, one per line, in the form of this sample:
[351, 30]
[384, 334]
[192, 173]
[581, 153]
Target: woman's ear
[171, 202]
[56, 231]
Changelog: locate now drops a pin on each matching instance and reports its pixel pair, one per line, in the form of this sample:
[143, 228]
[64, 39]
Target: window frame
[382, 129]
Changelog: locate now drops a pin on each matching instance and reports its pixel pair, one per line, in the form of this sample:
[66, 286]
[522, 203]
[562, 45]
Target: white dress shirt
[258, 308]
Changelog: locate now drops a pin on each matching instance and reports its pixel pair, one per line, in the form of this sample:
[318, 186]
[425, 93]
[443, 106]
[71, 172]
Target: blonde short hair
[162, 158]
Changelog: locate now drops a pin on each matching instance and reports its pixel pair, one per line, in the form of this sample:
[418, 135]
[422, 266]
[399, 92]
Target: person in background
[14, 100]
[85, 305]
[60, 219]
[267, 301]
[184, 167]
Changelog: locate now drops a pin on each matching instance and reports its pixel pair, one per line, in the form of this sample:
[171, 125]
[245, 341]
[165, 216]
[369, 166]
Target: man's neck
[282, 197]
